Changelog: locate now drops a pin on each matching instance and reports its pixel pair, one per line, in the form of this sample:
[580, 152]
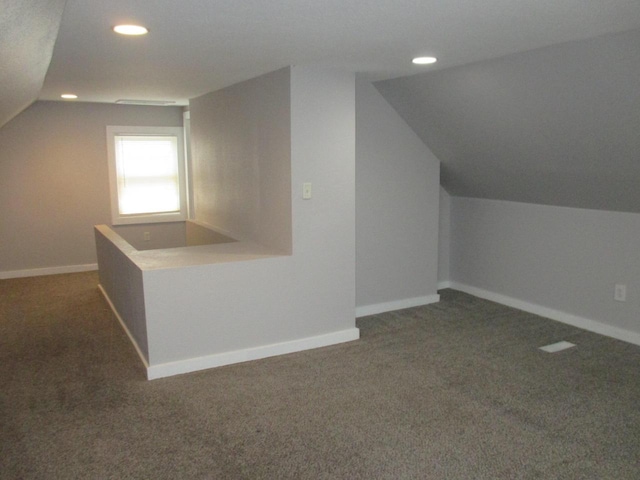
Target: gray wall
[564, 259]
[197, 234]
[121, 280]
[240, 305]
[241, 160]
[54, 184]
[160, 235]
[444, 238]
[153, 236]
[397, 195]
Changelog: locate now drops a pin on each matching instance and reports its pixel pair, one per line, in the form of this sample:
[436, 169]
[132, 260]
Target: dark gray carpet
[455, 390]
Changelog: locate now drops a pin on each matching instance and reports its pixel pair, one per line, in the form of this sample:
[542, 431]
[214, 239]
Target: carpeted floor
[454, 390]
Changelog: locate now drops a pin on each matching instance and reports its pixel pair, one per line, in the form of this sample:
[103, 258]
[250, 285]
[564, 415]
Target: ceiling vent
[145, 102]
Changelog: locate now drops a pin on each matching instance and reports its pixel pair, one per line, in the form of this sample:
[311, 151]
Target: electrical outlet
[147, 236]
[620, 292]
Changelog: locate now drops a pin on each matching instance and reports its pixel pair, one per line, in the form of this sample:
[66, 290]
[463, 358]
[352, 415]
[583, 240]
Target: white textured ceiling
[28, 31]
[196, 46]
[554, 125]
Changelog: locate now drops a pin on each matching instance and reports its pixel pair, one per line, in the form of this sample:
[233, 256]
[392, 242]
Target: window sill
[149, 218]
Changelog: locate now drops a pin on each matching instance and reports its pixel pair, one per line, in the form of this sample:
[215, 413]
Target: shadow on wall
[153, 236]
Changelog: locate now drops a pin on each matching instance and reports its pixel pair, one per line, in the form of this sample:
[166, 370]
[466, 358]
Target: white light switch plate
[306, 191]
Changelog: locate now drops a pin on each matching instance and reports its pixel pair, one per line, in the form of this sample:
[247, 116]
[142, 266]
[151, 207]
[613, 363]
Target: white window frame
[122, 219]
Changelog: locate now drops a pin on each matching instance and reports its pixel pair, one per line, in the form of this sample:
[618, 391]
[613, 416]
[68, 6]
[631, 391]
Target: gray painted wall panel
[241, 158]
[54, 185]
[397, 194]
[561, 258]
[121, 281]
[209, 309]
[160, 235]
[444, 237]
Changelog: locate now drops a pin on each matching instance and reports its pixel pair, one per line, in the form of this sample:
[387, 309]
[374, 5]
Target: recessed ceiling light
[69, 96]
[130, 29]
[424, 60]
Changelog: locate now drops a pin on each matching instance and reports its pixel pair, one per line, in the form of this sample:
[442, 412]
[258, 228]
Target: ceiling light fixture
[69, 96]
[130, 30]
[424, 60]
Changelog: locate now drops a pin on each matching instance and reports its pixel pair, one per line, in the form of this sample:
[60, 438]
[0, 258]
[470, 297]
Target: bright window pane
[148, 179]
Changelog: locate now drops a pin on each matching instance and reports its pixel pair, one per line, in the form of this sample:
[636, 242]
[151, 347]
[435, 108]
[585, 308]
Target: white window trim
[116, 217]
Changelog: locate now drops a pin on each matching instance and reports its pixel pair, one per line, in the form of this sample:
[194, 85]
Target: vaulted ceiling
[197, 46]
[502, 111]
[558, 125]
[28, 31]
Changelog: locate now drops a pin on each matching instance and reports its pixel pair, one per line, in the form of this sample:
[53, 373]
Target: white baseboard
[365, 310]
[37, 272]
[560, 316]
[444, 284]
[218, 360]
[245, 355]
[124, 327]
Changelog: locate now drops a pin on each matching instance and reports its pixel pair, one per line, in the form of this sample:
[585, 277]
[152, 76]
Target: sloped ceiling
[28, 31]
[558, 125]
[197, 46]
[554, 125]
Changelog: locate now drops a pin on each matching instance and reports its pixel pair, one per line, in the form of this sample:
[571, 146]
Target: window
[147, 174]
